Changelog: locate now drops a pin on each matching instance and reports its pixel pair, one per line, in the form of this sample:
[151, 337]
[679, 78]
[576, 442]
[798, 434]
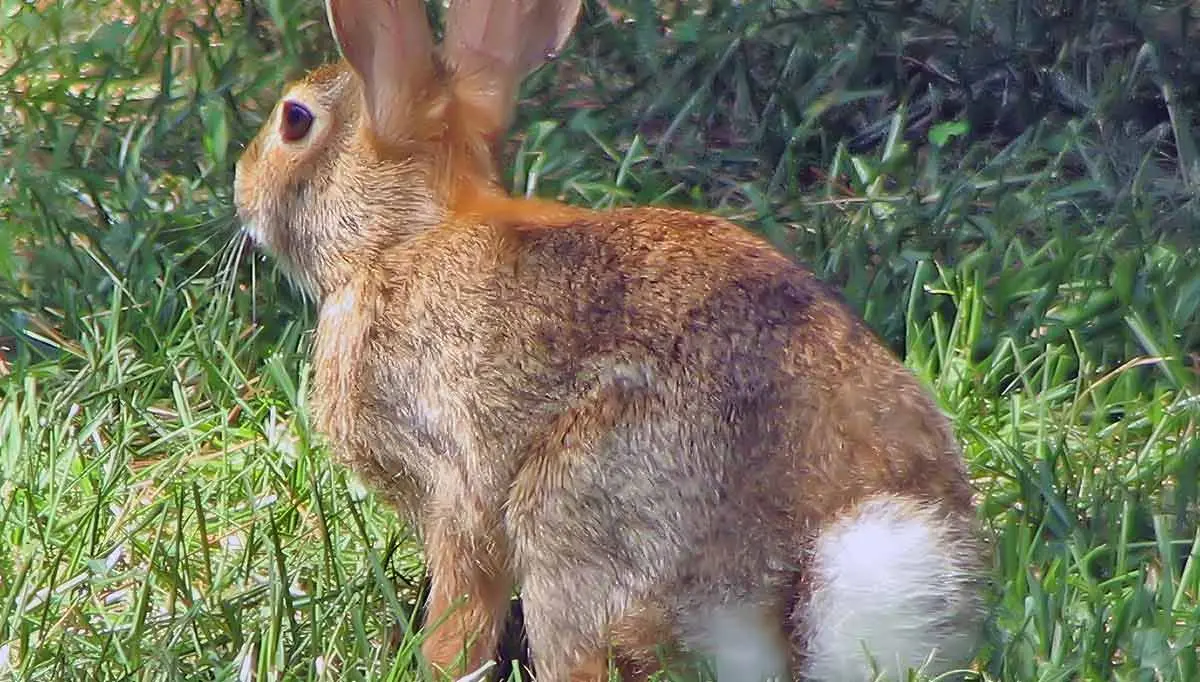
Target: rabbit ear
[389, 45]
[494, 44]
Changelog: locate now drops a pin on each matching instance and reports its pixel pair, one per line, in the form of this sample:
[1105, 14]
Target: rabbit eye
[297, 120]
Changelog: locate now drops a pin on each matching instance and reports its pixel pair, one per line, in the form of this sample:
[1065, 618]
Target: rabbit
[679, 446]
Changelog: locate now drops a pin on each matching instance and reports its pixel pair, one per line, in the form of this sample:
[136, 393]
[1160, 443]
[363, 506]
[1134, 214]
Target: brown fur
[631, 415]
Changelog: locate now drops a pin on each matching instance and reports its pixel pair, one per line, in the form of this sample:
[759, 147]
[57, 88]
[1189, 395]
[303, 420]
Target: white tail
[894, 590]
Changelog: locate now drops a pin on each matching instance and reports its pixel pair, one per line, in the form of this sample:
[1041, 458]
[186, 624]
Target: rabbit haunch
[887, 557]
[668, 436]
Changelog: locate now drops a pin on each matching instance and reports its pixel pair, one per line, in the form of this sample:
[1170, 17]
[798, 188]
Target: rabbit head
[387, 142]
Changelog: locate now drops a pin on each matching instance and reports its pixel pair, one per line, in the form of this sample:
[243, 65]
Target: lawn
[1007, 190]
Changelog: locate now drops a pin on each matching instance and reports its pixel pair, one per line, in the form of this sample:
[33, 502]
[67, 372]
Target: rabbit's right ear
[494, 44]
[389, 45]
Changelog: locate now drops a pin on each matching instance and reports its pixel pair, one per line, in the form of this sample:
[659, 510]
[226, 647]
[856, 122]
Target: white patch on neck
[340, 304]
[341, 335]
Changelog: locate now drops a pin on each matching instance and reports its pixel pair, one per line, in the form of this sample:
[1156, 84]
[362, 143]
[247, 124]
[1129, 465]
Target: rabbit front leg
[470, 588]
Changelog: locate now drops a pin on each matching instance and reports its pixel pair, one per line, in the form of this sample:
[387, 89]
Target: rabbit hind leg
[638, 645]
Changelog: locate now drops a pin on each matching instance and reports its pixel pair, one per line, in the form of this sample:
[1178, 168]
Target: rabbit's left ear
[389, 45]
[494, 44]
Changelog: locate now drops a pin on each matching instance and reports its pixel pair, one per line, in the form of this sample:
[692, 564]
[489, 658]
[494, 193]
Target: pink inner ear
[389, 45]
[494, 45]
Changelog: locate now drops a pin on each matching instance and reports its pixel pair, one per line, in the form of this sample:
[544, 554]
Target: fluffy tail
[895, 586]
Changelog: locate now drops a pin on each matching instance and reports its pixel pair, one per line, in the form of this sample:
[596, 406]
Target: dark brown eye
[297, 120]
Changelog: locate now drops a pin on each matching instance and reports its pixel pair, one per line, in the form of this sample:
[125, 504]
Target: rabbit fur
[676, 443]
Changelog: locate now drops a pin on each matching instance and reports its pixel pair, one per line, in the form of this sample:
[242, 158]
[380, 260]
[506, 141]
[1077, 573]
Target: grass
[1006, 190]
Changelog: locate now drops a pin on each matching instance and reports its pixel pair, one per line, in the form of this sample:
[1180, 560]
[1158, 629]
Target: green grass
[1008, 192]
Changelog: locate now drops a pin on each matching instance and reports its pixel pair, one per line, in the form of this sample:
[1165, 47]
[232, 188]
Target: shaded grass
[169, 513]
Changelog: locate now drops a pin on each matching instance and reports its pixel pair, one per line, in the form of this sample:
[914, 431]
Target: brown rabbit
[670, 437]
